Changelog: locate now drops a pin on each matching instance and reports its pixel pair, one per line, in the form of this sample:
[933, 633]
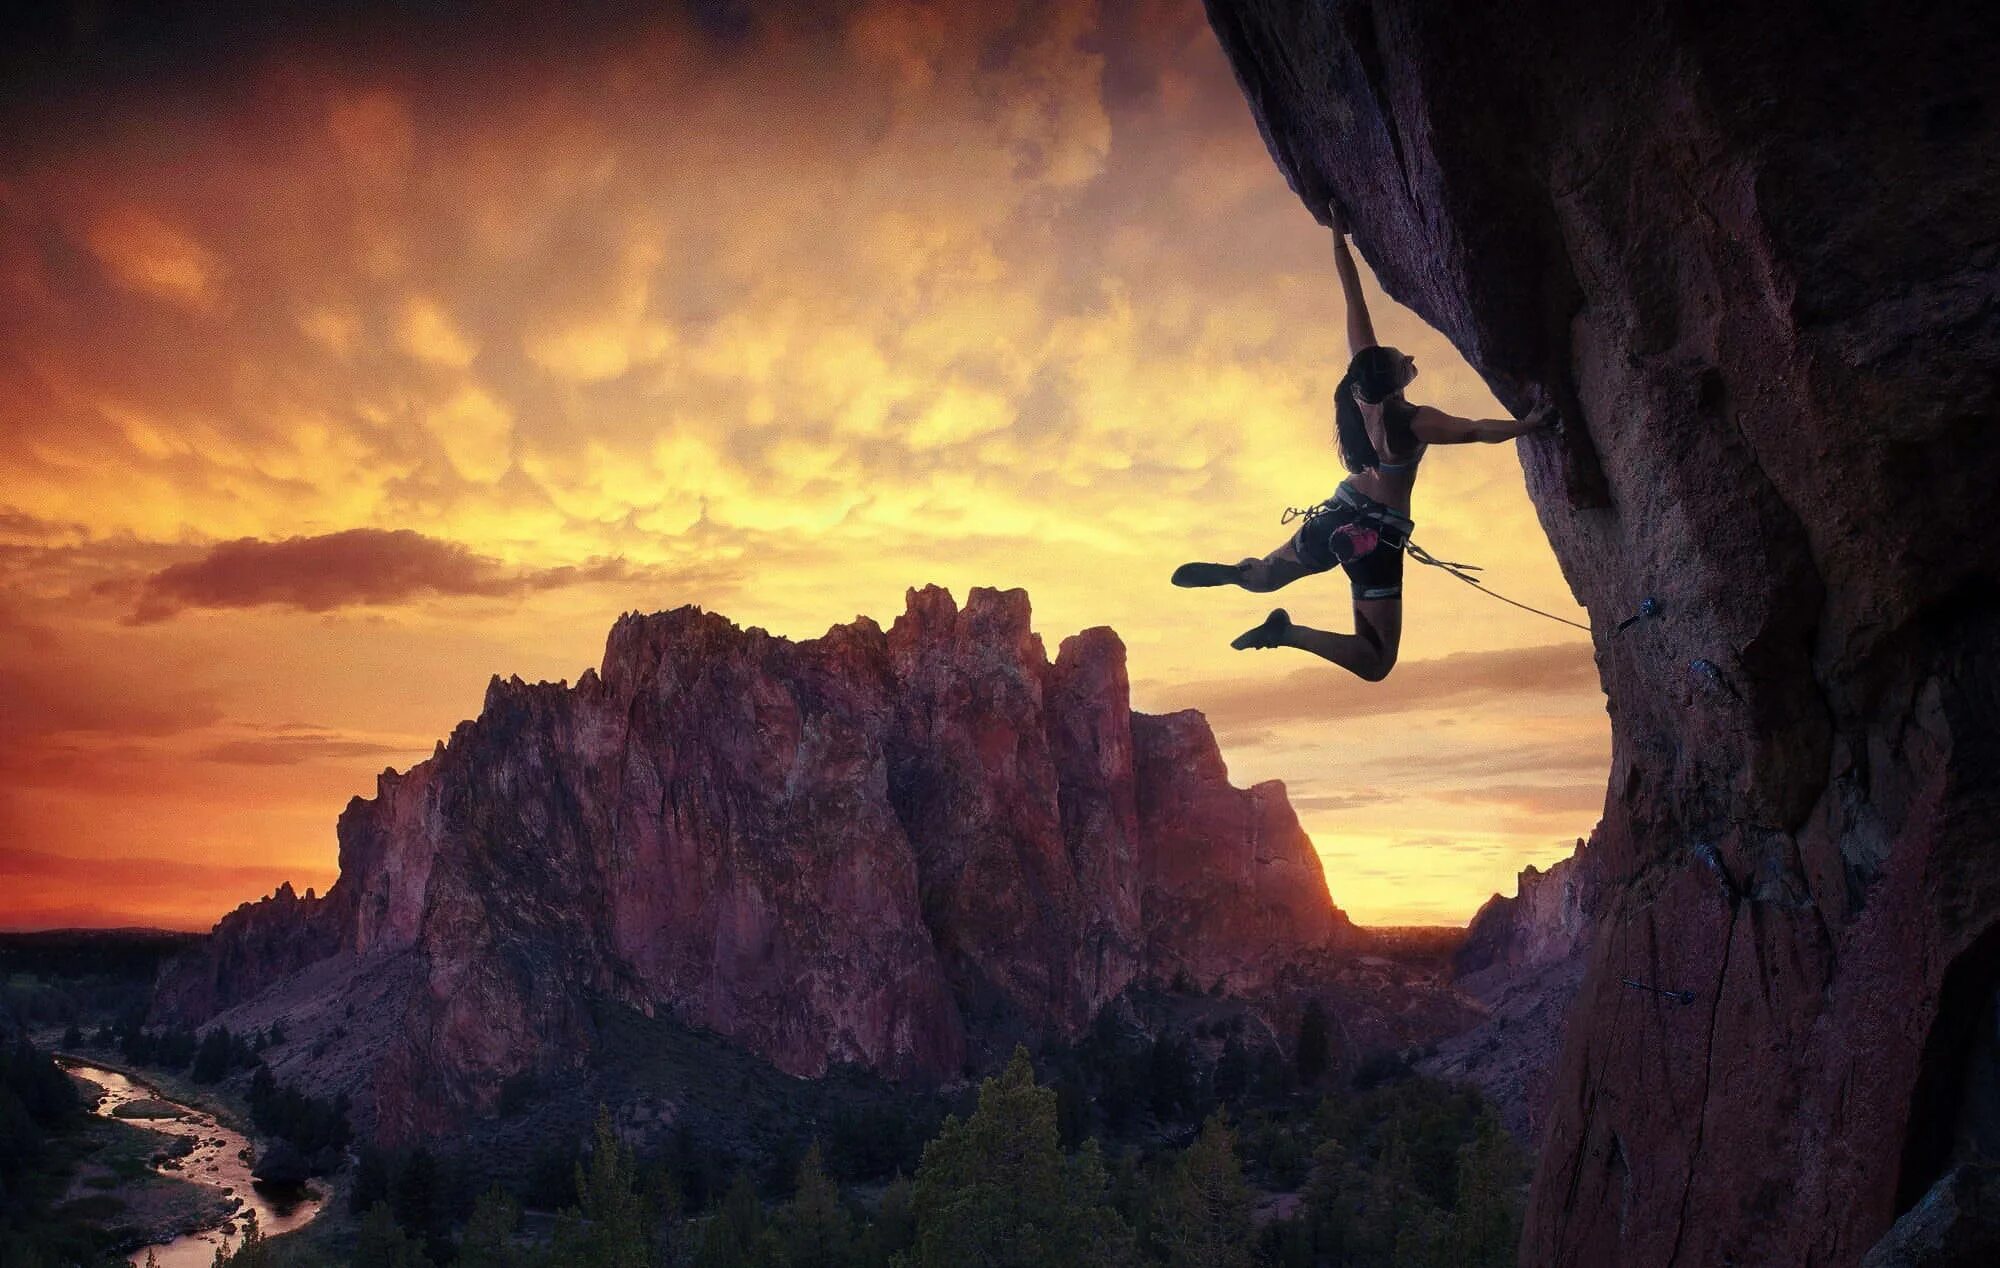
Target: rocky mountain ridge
[887, 849]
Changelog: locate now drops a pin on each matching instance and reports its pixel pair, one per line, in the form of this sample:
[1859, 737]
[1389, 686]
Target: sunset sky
[343, 365]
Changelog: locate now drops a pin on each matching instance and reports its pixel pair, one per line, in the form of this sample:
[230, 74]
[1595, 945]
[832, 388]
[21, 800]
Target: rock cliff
[1523, 960]
[1752, 258]
[894, 850]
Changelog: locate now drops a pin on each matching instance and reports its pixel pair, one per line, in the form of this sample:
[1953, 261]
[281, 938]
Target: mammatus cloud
[361, 566]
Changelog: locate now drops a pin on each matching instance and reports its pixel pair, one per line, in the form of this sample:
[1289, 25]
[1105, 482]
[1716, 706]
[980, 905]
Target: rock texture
[1955, 1225]
[1752, 259]
[887, 849]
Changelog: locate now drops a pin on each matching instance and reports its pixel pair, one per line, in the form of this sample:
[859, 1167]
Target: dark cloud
[1482, 680]
[294, 750]
[357, 567]
[65, 52]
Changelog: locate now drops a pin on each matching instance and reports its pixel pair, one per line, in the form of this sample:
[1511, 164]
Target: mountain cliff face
[1753, 260]
[1522, 959]
[891, 849]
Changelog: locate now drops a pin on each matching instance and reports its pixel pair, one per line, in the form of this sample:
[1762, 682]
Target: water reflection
[221, 1157]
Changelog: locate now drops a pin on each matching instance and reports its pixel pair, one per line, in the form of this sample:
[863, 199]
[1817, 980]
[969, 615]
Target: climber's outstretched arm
[1435, 427]
[1360, 331]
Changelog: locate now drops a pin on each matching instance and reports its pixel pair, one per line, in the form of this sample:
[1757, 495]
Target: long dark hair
[1379, 374]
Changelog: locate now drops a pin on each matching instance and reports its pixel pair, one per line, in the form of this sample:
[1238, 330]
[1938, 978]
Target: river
[218, 1160]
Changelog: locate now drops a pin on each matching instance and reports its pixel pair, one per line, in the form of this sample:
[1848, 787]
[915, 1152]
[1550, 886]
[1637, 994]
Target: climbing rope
[1459, 570]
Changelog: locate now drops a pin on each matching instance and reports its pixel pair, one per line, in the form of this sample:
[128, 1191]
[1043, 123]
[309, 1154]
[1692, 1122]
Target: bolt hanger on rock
[1679, 997]
[1649, 608]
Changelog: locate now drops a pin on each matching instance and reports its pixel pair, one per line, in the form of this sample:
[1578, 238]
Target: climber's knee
[1379, 668]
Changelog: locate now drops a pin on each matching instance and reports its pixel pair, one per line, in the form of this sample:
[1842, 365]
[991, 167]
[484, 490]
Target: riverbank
[203, 1148]
[117, 1188]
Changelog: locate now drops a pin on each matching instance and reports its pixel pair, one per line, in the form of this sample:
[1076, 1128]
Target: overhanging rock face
[1753, 258]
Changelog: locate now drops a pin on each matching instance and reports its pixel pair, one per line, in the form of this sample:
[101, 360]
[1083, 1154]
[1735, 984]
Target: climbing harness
[1395, 531]
[1679, 997]
[1649, 607]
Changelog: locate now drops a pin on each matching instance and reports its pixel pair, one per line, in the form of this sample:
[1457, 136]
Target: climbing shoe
[1193, 575]
[1270, 634]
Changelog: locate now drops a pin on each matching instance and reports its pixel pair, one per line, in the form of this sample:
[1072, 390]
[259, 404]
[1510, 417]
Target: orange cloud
[147, 254]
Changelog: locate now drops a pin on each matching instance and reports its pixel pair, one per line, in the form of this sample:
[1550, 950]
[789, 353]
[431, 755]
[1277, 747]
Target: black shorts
[1356, 538]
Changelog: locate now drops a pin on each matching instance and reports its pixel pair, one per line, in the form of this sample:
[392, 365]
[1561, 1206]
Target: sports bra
[1400, 467]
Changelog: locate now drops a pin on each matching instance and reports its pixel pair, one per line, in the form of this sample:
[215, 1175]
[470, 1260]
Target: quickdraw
[1679, 997]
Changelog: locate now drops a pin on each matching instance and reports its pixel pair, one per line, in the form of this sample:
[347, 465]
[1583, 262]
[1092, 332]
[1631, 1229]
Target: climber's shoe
[1194, 575]
[1270, 634]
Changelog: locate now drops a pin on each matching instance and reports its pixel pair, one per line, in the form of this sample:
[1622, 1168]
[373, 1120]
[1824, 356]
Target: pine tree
[382, 1243]
[1207, 1225]
[1486, 1222]
[814, 1229]
[995, 1192]
[417, 1196]
[894, 1228]
[1232, 1071]
[610, 1226]
[736, 1235]
[1315, 1044]
[1422, 1239]
[1330, 1199]
[371, 1180]
[489, 1233]
[211, 1061]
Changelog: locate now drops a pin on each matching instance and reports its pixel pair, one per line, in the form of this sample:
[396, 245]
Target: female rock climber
[1365, 525]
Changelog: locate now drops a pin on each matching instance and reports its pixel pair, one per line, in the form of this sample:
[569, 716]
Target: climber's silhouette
[1366, 524]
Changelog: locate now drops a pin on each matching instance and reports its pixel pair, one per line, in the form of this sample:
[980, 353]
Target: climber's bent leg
[1380, 622]
[1360, 654]
[1370, 652]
